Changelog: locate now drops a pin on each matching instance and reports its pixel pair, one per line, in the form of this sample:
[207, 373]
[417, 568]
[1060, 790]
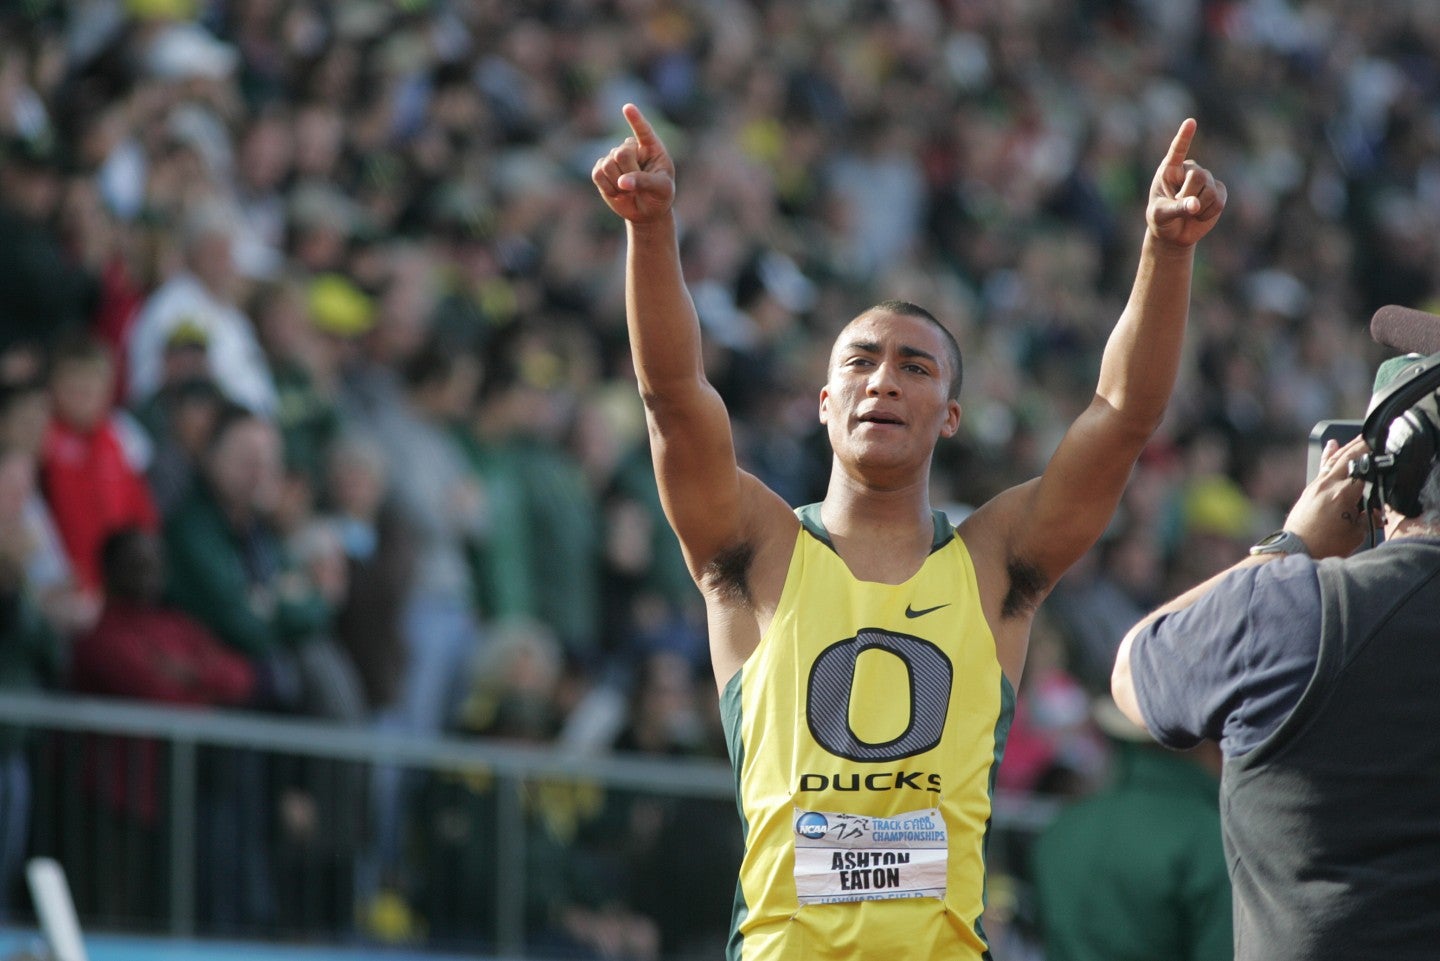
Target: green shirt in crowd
[1137, 871]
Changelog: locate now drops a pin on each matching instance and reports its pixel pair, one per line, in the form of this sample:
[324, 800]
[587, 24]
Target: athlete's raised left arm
[1048, 523]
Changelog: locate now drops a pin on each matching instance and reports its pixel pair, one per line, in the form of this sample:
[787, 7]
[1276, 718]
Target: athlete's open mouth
[880, 417]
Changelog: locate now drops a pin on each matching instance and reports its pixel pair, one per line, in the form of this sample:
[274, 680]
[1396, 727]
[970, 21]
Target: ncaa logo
[812, 825]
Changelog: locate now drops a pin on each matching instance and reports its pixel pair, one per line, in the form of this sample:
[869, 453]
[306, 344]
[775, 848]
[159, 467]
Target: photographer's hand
[1329, 515]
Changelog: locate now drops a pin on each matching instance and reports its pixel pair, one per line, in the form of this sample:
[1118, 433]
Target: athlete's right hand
[637, 178]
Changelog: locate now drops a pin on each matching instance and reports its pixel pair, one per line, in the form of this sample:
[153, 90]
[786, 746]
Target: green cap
[1389, 372]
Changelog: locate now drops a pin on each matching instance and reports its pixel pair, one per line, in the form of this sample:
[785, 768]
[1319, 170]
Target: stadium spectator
[230, 571]
[647, 601]
[306, 412]
[24, 420]
[226, 565]
[444, 505]
[93, 460]
[578, 889]
[669, 837]
[529, 416]
[372, 388]
[322, 801]
[203, 294]
[145, 650]
[180, 418]
[46, 295]
[379, 551]
[1137, 870]
[1102, 597]
[502, 566]
[30, 660]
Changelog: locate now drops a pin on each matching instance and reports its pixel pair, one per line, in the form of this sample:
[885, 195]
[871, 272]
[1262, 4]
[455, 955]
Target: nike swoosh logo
[911, 612]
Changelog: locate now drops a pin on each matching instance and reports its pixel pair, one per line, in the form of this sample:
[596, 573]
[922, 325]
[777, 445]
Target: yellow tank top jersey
[865, 732]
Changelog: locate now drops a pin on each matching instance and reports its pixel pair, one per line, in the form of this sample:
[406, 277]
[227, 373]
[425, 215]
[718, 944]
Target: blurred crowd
[314, 393]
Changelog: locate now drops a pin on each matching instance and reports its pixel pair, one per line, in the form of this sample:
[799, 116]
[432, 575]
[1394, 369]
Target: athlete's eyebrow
[905, 350]
[868, 346]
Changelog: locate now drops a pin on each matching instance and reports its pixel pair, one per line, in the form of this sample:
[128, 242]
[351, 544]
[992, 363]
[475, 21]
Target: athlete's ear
[825, 404]
[952, 419]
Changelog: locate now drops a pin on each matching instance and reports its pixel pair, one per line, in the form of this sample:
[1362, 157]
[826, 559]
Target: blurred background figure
[205, 294]
[142, 649]
[288, 314]
[46, 295]
[231, 571]
[24, 420]
[580, 886]
[30, 660]
[93, 460]
[444, 506]
[378, 544]
[1137, 870]
[671, 716]
[180, 418]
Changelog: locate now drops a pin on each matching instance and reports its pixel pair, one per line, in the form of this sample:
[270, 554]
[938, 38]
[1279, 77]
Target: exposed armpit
[1028, 585]
[728, 574]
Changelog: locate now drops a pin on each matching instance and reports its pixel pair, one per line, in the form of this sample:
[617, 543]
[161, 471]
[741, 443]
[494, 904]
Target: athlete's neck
[896, 517]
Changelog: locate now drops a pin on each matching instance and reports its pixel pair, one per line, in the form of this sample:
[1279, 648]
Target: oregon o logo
[832, 678]
[811, 824]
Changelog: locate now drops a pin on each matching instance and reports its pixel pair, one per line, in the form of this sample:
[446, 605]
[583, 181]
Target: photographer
[1317, 672]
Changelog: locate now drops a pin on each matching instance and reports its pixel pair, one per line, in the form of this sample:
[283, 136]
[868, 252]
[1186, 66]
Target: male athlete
[866, 652]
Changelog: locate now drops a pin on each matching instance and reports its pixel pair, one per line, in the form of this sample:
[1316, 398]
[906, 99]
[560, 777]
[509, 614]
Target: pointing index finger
[1180, 146]
[644, 133]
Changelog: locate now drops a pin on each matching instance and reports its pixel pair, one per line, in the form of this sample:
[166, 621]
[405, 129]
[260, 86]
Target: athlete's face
[887, 401]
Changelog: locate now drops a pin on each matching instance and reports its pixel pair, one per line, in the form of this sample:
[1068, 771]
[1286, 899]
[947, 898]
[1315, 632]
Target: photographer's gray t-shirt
[1233, 665]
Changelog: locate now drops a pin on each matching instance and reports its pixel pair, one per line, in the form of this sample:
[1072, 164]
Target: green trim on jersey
[730, 718]
[810, 519]
[1002, 735]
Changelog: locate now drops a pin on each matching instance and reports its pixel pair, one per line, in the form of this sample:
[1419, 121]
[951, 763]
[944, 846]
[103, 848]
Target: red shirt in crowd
[156, 654]
[93, 491]
[161, 655]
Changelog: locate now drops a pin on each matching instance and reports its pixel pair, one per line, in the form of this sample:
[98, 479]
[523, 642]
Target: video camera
[1402, 423]
[1340, 431]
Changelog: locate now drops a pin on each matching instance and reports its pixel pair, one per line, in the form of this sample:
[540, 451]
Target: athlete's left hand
[1185, 198]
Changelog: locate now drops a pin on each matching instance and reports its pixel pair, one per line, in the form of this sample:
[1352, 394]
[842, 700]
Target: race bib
[853, 857]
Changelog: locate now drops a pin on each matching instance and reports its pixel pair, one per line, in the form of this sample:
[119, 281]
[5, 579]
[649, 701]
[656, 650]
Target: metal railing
[183, 740]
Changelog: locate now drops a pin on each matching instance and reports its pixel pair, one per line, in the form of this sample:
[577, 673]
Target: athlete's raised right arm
[701, 485]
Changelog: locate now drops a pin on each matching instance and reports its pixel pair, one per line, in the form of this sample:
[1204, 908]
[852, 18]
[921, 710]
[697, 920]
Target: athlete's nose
[882, 382]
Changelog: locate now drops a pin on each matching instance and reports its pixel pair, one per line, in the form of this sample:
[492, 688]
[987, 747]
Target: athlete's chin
[880, 459]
